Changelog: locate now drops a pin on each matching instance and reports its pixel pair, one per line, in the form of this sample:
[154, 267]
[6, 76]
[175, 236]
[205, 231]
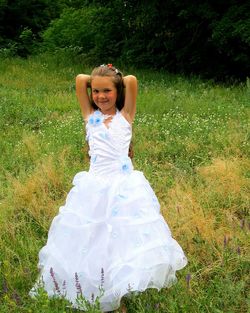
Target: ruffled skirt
[108, 236]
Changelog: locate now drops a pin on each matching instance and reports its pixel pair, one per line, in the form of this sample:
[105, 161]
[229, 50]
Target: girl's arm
[82, 84]
[129, 109]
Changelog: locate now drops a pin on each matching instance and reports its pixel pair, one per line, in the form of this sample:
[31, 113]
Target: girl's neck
[110, 112]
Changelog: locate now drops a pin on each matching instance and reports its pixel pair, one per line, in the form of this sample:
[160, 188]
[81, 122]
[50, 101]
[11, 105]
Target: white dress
[110, 232]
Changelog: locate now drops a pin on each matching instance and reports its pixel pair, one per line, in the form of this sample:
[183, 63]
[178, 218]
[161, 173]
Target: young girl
[110, 232]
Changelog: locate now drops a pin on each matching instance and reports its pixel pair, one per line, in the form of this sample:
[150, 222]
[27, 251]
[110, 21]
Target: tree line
[208, 38]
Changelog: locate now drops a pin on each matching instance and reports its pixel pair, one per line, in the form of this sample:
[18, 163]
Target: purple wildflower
[64, 288]
[52, 274]
[188, 279]
[5, 286]
[78, 285]
[102, 277]
[225, 241]
[242, 223]
[16, 298]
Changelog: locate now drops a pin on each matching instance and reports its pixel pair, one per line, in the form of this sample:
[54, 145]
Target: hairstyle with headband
[110, 71]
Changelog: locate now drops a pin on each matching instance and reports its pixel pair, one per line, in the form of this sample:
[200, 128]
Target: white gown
[110, 232]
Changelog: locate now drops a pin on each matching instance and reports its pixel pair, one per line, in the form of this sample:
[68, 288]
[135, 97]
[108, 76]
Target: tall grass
[191, 139]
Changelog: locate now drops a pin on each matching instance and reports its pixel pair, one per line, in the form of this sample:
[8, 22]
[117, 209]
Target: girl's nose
[102, 95]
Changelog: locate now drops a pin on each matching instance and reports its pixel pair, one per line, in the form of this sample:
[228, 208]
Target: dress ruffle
[112, 227]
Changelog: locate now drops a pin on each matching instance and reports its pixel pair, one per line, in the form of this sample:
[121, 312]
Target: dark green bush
[206, 38]
[73, 28]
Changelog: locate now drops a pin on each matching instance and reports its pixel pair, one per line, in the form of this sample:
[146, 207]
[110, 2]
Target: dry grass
[211, 208]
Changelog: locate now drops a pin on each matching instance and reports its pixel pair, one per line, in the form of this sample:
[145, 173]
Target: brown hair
[117, 77]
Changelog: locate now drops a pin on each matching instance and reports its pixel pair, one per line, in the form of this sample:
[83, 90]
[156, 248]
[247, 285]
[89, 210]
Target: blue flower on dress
[96, 118]
[91, 120]
[114, 211]
[126, 165]
[114, 234]
[104, 135]
[98, 121]
[93, 158]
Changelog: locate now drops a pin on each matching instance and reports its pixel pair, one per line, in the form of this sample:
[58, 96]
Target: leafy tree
[211, 38]
[97, 30]
[22, 18]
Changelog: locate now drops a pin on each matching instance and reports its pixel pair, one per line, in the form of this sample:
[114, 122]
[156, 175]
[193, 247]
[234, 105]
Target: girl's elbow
[130, 80]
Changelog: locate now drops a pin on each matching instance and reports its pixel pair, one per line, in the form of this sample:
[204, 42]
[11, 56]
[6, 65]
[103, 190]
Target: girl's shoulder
[125, 117]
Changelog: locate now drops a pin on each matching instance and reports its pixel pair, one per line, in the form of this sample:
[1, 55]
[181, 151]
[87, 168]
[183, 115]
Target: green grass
[191, 140]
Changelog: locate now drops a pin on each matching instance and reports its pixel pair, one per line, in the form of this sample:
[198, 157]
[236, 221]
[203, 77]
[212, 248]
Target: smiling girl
[110, 232]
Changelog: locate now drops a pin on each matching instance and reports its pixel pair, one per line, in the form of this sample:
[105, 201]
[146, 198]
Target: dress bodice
[109, 145]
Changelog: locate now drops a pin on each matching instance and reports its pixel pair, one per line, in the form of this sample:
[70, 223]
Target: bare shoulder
[127, 117]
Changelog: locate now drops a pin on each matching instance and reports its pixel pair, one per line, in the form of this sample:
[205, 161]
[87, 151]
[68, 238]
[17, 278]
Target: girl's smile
[104, 94]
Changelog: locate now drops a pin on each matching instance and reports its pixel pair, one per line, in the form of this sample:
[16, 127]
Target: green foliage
[208, 38]
[74, 28]
[90, 30]
[212, 39]
[10, 50]
[28, 18]
[27, 42]
[231, 35]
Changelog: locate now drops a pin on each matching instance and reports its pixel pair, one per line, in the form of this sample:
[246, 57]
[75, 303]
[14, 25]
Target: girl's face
[104, 94]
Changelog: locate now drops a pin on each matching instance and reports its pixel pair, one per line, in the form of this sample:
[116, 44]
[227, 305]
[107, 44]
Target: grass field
[191, 140]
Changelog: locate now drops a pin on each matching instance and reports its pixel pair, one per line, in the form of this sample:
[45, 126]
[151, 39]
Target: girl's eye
[96, 91]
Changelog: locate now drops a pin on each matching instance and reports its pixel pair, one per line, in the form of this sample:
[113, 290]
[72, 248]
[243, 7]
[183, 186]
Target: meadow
[191, 140]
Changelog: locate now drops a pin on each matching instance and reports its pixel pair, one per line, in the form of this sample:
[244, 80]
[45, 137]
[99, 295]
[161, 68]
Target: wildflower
[5, 286]
[242, 223]
[102, 277]
[78, 285]
[16, 298]
[225, 241]
[52, 274]
[188, 279]
[64, 288]
[129, 289]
